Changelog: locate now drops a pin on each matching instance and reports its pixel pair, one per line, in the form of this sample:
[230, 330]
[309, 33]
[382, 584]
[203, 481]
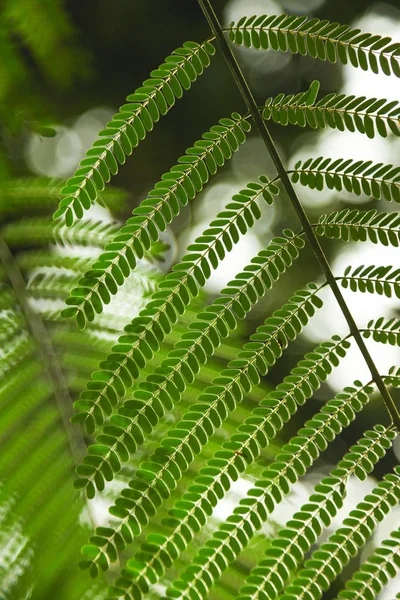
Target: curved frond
[302, 531]
[370, 116]
[356, 176]
[161, 206]
[235, 533]
[384, 281]
[319, 39]
[157, 477]
[130, 125]
[361, 225]
[143, 336]
[326, 563]
[375, 572]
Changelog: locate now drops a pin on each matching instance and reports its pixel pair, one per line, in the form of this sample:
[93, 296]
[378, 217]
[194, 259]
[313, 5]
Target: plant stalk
[49, 361]
[262, 128]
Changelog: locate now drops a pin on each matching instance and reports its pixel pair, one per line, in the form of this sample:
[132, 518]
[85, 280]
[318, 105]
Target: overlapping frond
[369, 116]
[326, 563]
[320, 39]
[302, 531]
[375, 572]
[162, 204]
[356, 176]
[158, 553]
[157, 477]
[130, 125]
[144, 334]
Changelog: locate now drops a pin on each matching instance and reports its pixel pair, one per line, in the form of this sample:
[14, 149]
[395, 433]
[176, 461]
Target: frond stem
[262, 128]
[42, 340]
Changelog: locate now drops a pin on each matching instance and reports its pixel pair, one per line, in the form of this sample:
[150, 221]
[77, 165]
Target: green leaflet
[369, 116]
[384, 281]
[296, 458]
[163, 203]
[157, 477]
[163, 389]
[175, 293]
[331, 558]
[375, 572]
[360, 225]
[130, 125]
[319, 39]
[301, 532]
[358, 177]
[38, 231]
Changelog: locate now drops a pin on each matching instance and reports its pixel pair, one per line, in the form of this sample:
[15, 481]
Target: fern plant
[171, 406]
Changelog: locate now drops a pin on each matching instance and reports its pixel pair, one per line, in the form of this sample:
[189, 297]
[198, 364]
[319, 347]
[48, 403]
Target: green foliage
[179, 397]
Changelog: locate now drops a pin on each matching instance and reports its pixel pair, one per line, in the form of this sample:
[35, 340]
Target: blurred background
[69, 65]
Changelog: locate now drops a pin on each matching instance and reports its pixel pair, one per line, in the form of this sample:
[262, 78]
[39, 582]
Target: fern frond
[40, 194]
[356, 176]
[326, 563]
[157, 477]
[144, 334]
[39, 231]
[375, 280]
[163, 203]
[301, 532]
[197, 504]
[319, 39]
[375, 572]
[369, 116]
[130, 125]
[360, 225]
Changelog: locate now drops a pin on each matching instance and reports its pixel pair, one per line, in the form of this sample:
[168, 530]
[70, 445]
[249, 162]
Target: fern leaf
[42, 194]
[319, 39]
[37, 231]
[131, 125]
[361, 225]
[326, 563]
[369, 116]
[301, 532]
[163, 203]
[375, 572]
[165, 466]
[375, 280]
[356, 176]
[197, 504]
[144, 334]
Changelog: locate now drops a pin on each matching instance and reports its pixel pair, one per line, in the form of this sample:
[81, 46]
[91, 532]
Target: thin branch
[262, 128]
[48, 358]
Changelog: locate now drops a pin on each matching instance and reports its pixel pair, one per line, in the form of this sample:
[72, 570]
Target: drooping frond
[302, 531]
[144, 334]
[370, 116]
[326, 563]
[384, 281]
[238, 529]
[356, 176]
[319, 39]
[361, 225]
[130, 125]
[161, 206]
[375, 572]
[157, 477]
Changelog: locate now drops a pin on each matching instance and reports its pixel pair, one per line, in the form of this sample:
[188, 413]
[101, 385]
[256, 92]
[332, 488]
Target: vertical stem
[262, 128]
[48, 358]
